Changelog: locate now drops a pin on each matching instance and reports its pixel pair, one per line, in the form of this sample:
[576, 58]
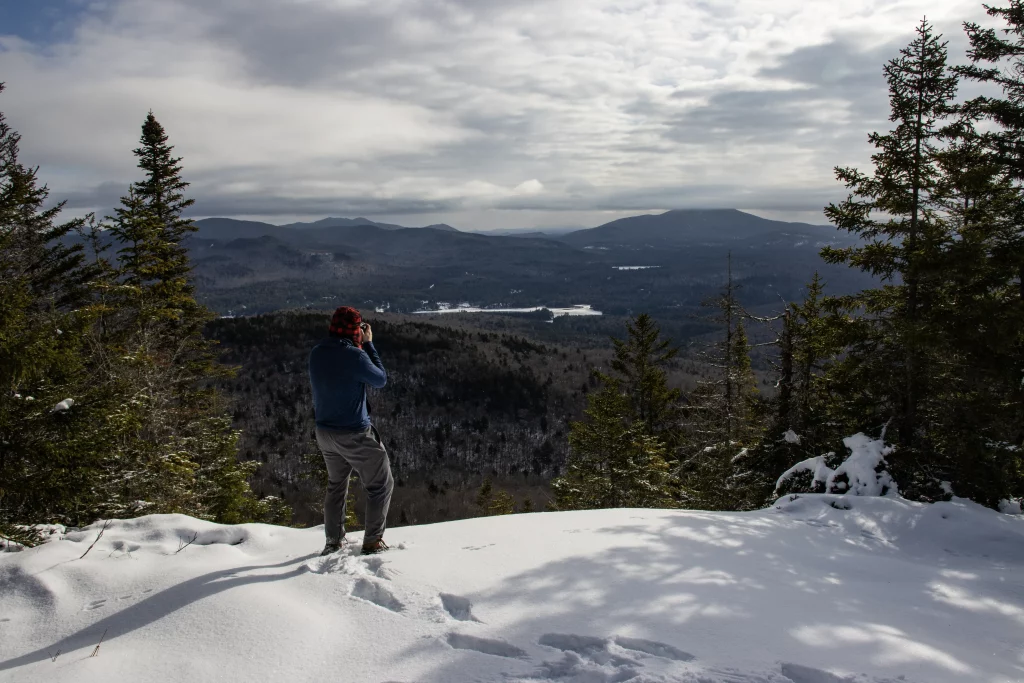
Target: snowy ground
[807, 592]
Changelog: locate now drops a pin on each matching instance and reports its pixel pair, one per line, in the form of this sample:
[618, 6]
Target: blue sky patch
[41, 21]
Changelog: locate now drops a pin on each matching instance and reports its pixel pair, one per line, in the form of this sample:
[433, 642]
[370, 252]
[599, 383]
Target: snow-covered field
[820, 589]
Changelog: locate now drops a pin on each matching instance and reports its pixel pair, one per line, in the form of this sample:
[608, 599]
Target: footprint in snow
[457, 607]
[342, 563]
[588, 647]
[377, 593]
[498, 648]
[591, 659]
[376, 566]
[123, 547]
[806, 674]
[653, 648]
[94, 604]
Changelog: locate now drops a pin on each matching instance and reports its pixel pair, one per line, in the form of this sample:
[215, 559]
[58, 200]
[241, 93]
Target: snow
[863, 473]
[64, 405]
[817, 589]
[816, 466]
[1010, 507]
[791, 437]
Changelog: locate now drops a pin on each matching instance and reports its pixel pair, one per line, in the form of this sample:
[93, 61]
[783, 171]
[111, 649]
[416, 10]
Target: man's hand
[367, 332]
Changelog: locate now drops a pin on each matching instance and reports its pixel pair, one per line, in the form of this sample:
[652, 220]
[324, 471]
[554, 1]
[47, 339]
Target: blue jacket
[340, 372]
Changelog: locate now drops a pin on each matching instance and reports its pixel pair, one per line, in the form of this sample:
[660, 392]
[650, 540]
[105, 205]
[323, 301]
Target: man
[340, 369]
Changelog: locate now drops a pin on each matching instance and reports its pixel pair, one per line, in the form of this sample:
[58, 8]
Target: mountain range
[665, 264]
[672, 228]
[232, 228]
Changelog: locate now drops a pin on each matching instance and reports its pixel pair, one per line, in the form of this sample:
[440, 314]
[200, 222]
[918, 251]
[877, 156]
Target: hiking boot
[333, 546]
[374, 546]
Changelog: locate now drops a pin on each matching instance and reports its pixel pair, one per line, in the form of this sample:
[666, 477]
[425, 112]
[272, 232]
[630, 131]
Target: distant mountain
[228, 229]
[516, 233]
[351, 222]
[544, 232]
[662, 264]
[232, 229]
[686, 227]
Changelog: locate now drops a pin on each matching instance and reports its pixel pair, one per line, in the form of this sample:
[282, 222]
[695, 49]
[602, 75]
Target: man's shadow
[157, 606]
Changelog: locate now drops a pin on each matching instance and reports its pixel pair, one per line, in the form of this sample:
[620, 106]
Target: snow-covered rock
[817, 589]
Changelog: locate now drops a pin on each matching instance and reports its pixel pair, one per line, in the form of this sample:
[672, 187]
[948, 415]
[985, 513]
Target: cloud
[402, 107]
[532, 186]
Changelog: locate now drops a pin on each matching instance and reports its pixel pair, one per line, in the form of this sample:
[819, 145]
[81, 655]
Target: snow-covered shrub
[807, 476]
[17, 537]
[863, 473]
[1010, 506]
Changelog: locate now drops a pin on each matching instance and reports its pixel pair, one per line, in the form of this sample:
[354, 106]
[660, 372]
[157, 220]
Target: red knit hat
[345, 322]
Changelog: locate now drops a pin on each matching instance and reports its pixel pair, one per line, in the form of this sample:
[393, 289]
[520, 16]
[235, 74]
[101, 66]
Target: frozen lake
[582, 309]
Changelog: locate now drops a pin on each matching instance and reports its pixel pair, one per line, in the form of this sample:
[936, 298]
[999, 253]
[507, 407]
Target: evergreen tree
[800, 424]
[51, 448]
[494, 502]
[182, 454]
[982, 322]
[618, 455]
[889, 370]
[721, 418]
[640, 362]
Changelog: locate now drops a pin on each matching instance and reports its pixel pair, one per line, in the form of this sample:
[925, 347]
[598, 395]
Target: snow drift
[817, 589]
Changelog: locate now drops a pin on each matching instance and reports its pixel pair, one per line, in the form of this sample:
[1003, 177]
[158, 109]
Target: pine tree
[889, 370]
[618, 455]
[50, 455]
[183, 454]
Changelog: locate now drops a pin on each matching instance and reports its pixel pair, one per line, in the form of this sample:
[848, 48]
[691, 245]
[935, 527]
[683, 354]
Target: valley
[665, 265]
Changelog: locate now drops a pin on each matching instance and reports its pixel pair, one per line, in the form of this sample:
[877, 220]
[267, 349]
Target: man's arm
[371, 370]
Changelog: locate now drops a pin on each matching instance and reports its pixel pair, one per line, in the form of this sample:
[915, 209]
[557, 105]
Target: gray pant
[363, 452]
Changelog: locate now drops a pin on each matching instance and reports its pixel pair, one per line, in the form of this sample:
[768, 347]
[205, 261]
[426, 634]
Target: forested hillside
[461, 405]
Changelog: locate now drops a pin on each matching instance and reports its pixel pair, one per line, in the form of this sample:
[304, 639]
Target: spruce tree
[52, 449]
[184, 454]
[800, 423]
[493, 501]
[983, 321]
[721, 418]
[640, 362]
[889, 370]
[618, 456]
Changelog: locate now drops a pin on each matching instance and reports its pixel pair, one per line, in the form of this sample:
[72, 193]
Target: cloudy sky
[483, 114]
